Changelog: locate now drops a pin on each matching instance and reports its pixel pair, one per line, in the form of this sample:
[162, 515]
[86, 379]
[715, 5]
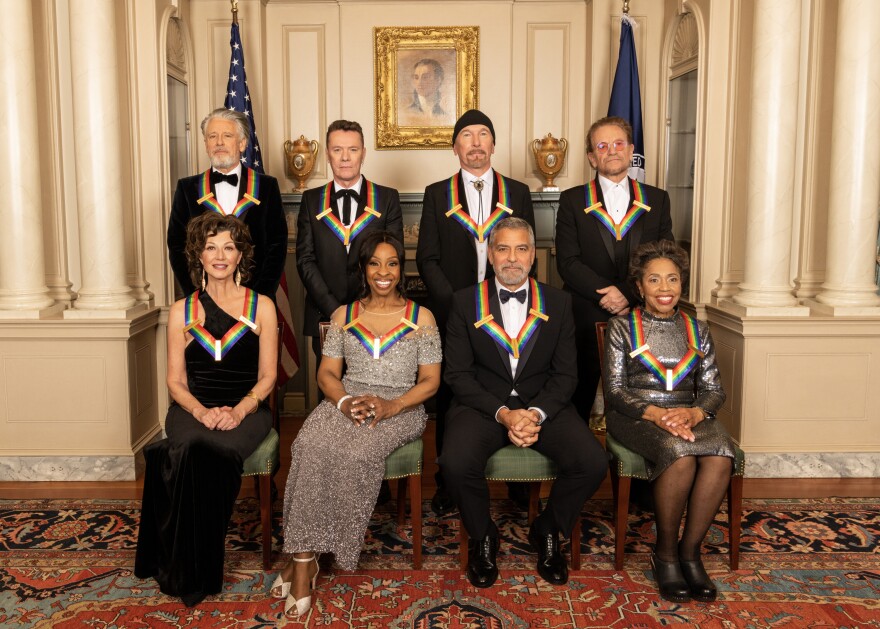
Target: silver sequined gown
[337, 467]
[631, 387]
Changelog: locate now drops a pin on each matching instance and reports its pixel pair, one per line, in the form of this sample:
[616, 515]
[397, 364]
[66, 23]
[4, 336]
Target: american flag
[238, 98]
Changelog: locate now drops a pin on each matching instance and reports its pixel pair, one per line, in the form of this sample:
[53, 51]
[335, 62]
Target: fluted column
[97, 138]
[854, 178]
[772, 145]
[23, 290]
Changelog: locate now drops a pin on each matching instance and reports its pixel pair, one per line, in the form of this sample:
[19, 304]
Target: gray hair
[512, 222]
[240, 120]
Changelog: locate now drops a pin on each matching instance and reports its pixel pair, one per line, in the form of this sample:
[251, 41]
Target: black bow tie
[505, 295]
[345, 192]
[217, 177]
[346, 195]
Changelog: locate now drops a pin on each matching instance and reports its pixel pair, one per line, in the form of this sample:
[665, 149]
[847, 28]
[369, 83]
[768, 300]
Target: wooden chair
[627, 465]
[262, 464]
[523, 465]
[405, 466]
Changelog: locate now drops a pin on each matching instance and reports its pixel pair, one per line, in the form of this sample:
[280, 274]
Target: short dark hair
[210, 224]
[438, 69]
[617, 121]
[368, 247]
[650, 251]
[343, 125]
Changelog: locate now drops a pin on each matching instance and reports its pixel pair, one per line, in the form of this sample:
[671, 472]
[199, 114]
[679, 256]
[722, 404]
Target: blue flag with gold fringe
[626, 96]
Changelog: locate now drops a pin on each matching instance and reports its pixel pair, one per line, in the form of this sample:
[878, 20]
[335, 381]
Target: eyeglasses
[617, 145]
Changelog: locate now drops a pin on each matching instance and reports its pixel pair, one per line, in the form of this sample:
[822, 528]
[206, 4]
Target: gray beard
[220, 164]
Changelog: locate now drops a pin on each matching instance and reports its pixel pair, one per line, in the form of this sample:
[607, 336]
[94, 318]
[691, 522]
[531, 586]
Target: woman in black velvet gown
[222, 361]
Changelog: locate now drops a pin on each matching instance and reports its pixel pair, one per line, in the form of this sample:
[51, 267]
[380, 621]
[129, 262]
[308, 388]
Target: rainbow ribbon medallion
[250, 198]
[219, 347]
[328, 215]
[636, 209]
[672, 377]
[487, 321]
[378, 345]
[457, 212]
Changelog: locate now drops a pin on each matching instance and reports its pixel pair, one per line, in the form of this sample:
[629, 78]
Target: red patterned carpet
[805, 563]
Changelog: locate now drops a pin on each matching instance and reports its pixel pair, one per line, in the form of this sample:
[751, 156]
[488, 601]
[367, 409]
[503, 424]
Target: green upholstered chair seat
[525, 465]
[628, 463]
[263, 460]
[405, 461]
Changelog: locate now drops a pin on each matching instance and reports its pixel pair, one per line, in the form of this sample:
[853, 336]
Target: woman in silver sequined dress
[663, 390]
[391, 351]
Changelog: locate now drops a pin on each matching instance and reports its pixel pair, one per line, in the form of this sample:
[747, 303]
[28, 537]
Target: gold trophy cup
[300, 160]
[549, 158]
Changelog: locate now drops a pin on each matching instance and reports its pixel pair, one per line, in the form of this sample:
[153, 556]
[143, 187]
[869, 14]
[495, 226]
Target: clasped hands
[372, 408]
[522, 425]
[679, 421]
[220, 417]
[613, 300]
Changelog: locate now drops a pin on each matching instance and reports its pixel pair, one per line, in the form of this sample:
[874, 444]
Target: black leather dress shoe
[670, 580]
[552, 565]
[441, 503]
[482, 570]
[699, 583]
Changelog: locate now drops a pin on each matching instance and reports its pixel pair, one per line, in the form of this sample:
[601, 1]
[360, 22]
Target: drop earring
[204, 279]
[237, 276]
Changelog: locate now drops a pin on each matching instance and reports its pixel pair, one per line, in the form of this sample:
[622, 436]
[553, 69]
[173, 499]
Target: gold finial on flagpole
[234, 4]
[625, 7]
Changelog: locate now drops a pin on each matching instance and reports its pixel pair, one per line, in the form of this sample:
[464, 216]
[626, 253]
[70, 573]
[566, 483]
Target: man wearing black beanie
[457, 216]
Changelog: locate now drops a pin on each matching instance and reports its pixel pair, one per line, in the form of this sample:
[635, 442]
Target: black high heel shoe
[670, 580]
[699, 583]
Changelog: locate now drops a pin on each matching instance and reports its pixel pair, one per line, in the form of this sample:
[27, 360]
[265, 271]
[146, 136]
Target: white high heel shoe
[304, 604]
[279, 582]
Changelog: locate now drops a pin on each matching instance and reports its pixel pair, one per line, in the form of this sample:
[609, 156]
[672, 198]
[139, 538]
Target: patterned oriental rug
[804, 563]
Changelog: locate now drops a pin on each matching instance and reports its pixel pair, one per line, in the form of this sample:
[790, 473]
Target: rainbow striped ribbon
[637, 208]
[250, 198]
[457, 212]
[487, 321]
[672, 377]
[378, 345]
[219, 347]
[346, 234]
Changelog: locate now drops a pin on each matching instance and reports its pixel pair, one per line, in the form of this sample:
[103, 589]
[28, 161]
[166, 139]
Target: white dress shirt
[226, 193]
[616, 197]
[354, 204]
[473, 202]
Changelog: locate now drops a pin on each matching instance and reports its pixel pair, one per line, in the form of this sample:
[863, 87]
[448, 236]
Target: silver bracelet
[341, 400]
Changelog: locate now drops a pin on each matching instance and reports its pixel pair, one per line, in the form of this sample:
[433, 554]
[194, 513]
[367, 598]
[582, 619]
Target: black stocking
[710, 485]
[671, 490]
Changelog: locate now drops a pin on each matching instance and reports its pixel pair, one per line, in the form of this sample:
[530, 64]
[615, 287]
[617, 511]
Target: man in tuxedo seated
[512, 369]
[229, 187]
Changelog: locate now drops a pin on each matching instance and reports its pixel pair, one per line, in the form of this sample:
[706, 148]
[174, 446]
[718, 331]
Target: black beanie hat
[472, 116]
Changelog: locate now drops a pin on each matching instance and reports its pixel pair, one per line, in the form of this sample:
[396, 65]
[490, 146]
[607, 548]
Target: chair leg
[401, 501]
[415, 516]
[265, 492]
[462, 545]
[734, 517]
[621, 486]
[576, 545]
[534, 498]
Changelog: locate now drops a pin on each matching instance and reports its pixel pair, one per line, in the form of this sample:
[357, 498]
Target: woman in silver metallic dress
[663, 390]
[391, 351]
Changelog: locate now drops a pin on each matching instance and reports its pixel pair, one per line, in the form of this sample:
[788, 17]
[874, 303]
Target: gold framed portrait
[426, 77]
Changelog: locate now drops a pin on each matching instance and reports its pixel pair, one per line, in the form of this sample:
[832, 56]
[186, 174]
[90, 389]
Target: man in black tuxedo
[332, 221]
[598, 225]
[512, 369]
[457, 218]
[231, 188]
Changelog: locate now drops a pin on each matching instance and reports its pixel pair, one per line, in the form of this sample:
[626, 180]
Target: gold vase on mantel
[300, 156]
[549, 158]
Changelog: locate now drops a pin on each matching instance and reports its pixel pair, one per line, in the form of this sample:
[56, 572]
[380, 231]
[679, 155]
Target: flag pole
[234, 4]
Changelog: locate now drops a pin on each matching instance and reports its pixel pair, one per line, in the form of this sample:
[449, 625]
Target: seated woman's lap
[185, 430]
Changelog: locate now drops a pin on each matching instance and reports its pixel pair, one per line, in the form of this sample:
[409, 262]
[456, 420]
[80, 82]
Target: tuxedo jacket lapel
[495, 311]
[527, 350]
[635, 232]
[604, 234]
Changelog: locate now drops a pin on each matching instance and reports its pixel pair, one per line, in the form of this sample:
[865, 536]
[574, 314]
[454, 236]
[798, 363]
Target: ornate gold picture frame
[426, 77]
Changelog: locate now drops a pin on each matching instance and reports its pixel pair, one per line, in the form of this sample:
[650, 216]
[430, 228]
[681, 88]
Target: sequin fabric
[630, 387]
[337, 467]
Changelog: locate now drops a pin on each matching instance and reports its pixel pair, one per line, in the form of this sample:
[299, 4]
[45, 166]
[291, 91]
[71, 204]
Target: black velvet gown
[192, 478]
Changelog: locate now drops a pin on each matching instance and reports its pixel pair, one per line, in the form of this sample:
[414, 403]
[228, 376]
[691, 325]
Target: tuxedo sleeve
[394, 220]
[177, 239]
[525, 205]
[275, 252]
[665, 217]
[307, 263]
[576, 274]
[461, 371]
[428, 255]
[562, 374]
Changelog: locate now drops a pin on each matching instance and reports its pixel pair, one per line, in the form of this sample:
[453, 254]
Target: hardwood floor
[752, 487]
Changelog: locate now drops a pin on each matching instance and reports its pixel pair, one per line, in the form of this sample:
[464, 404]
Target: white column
[854, 178]
[772, 145]
[23, 291]
[97, 139]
